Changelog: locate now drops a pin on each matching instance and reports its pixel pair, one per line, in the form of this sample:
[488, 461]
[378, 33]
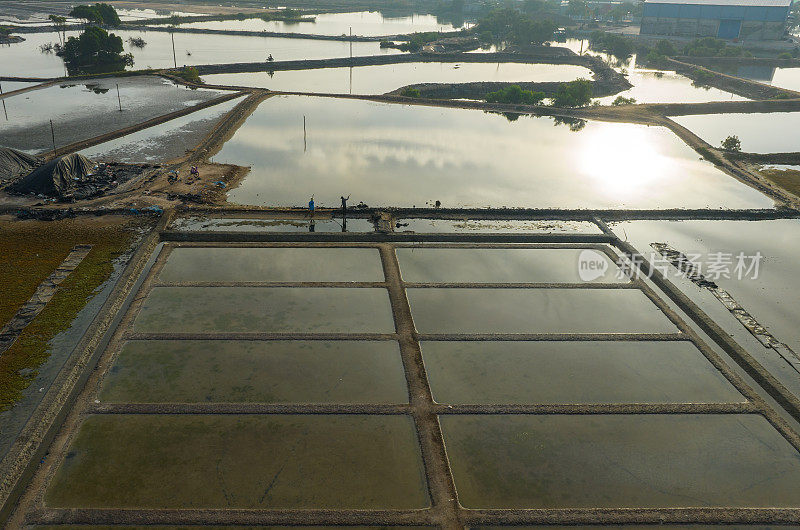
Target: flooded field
[653, 86]
[386, 154]
[515, 311]
[357, 461]
[572, 372]
[201, 264]
[363, 23]
[84, 109]
[507, 265]
[163, 142]
[520, 461]
[385, 78]
[266, 309]
[190, 224]
[252, 371]
[25, 58]
[759, 133]
[781, 77]
[769, 296]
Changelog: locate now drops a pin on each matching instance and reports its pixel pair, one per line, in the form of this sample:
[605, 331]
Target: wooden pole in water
[119, 100]
[174, 59]
[53, 136]
[304, 134]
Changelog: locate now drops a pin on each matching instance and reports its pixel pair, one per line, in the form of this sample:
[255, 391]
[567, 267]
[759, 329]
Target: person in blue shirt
[311, 205]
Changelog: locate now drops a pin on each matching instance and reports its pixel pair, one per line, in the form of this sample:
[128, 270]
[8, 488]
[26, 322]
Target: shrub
[665, 47]
[616, 45]
[409, 92]
[622, 100]
[785, 55]
[98, 14]
[576, 93]
[732, 143]
[515, 94]
[95, 47]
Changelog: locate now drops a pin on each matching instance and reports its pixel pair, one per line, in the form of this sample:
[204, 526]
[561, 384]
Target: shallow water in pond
[759, 132]
[257, 371]
[265, 309]
[507, 265]
[81, 110]
[388, 154]
[780, 77]
[425, 226]
[460, 310]
[206, 264]
[363, 23]
[573, 372]
[630, 461]
[25, 58]
[190, 224]
[163, 142]
[242, 461]
[768, 296]
[651, 86]
[385, 78]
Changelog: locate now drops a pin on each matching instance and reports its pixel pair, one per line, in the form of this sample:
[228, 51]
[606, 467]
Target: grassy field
[29, 252]
[786, 179]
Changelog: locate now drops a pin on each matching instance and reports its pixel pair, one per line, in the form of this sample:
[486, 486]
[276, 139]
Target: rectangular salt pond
[507, 265]
[363, 23]
[788, 78]
[425, 226]
[627, 461]
[164, 142]
[458, 310]
[265, 309]
[11, 86]
[25, 59]
[242, 461]
[769, 296]
[668, 87]
[573, 372]
[390, 154]
[85, 109]
[386, 78]
[203, 224]
[209, 264]
[257, 371]
[759, 132]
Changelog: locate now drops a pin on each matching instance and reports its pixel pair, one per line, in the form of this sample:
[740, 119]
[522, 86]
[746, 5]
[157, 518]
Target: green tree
[515, 94]
[509, 25]
[576, 93]
[97, 14]
[59, 23]
[410, 92]
[95, 48]
[732, 143]
[666, 48]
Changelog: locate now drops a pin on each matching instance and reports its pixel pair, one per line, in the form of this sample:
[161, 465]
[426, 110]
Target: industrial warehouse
[724, 19]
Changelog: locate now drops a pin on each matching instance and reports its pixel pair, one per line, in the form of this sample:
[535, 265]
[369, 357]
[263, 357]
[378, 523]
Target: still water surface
[387, 154]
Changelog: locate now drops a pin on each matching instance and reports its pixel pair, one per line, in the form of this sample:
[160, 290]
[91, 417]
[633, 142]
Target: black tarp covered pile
[57, 178]
[15, 163]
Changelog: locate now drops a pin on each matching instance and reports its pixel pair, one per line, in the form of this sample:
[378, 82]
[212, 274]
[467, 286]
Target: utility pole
[119, 100]
[53, 136]
[351, 45]
[305, 144]
[5, 111]
[174, 59]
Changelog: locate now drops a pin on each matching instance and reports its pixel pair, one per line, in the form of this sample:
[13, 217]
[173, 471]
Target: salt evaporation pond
[768, 296]
[774, 132]
[788, 78]
[163, 142]
[653, 86]
[388, 154]
[25, 59]
[385, 78]
[81, 110]
[363, 23]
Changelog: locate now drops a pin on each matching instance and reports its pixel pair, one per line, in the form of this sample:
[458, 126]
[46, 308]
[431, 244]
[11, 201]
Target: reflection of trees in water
[574, 124]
